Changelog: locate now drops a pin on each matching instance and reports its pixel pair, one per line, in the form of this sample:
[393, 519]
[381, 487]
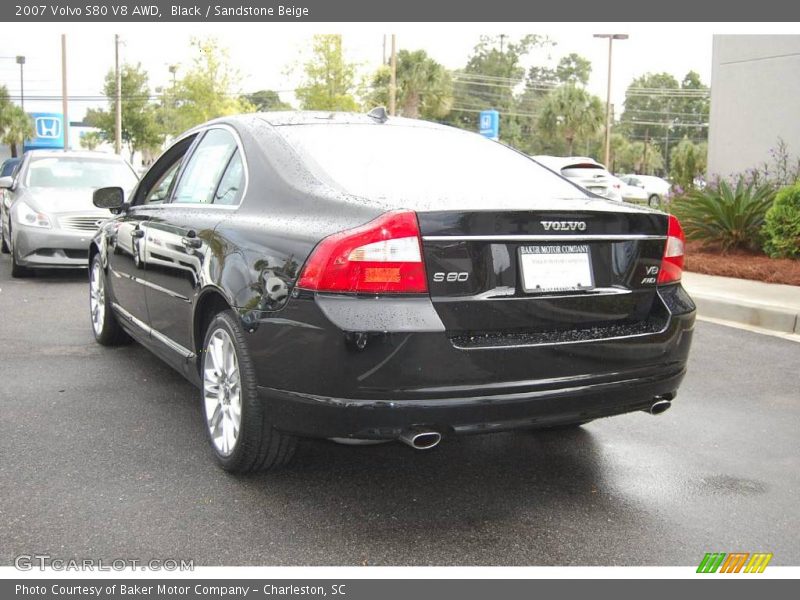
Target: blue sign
[489, 124]
[49, 129]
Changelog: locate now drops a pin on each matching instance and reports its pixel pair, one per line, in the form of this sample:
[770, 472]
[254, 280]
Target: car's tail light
[672, 262]
[383, 256]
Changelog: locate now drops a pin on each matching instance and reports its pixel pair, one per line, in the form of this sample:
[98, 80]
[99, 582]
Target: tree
[329, 79]
[424, 87]
[17, 127]
[574, 69]
[140, 130]
[688, 160]
[267, 100]
[570, 112]
[205, 92]
[15, 124]
[490, 80]
[659, 108]
[638, 157]
[91, 140]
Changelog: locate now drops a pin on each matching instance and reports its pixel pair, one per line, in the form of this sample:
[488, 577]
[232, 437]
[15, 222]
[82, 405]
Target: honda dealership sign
[49, 129]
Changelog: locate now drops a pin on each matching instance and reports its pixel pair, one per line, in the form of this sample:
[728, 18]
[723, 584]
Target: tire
[654, 201]
[229, 385]
[17, 270]
[107, 330]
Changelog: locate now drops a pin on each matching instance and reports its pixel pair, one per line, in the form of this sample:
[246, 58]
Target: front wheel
[107, 330]
[18, 271]
[237, 421]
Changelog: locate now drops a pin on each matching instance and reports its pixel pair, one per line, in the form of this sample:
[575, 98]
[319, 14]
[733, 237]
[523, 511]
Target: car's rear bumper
[320, 416]
[52, 248]
[318, 381]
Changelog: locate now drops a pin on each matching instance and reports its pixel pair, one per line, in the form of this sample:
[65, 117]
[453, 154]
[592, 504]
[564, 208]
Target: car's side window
[159, 193]
[200, 178]
[157, 184]
[229, 190]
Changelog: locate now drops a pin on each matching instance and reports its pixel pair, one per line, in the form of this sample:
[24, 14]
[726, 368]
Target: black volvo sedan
[364, 277]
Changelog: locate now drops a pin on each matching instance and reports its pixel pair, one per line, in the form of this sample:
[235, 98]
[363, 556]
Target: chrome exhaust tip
[660, 406]
[421, 440]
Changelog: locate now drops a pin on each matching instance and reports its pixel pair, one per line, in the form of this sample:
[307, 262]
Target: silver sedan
[49, 218]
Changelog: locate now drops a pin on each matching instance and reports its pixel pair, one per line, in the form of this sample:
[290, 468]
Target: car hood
[63, 201]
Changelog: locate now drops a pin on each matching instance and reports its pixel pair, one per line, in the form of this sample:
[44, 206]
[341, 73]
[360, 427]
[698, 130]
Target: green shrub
[731, 216]
[782, 224]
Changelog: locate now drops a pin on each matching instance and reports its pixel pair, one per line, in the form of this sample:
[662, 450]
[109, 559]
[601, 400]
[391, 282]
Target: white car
[655, 188]
[586, 172]
[630, 193]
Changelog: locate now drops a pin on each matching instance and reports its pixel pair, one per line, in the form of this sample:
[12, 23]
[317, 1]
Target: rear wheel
[106, 328]
[654, 201]
[237, 421]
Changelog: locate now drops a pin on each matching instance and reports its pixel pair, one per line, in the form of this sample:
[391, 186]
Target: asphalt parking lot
[103, 455]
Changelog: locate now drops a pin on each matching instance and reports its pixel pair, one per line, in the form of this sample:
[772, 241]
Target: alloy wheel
[97, 298]
[222, 391]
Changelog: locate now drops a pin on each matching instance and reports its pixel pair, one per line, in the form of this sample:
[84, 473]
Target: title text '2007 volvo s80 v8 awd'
[360, 277]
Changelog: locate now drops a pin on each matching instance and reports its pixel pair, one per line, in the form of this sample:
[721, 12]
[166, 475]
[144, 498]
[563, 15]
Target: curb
[764, 316]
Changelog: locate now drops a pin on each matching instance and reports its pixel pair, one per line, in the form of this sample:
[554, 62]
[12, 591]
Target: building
[755, 87]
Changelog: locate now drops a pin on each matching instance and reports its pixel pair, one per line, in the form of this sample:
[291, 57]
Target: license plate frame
[556, 268]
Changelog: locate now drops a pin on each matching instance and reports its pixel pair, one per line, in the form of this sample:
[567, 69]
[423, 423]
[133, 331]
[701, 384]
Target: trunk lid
[504, 275]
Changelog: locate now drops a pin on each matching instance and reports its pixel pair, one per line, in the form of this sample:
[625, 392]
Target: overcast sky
[269, 56]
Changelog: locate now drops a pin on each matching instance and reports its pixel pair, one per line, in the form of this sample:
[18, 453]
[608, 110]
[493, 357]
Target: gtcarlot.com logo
[29, 562]
[734, 562]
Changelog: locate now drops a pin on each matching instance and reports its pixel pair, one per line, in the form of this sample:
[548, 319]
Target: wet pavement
[103, 455]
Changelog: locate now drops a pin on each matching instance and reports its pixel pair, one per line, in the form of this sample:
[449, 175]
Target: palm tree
[424, 87]
[570, 112]
[16, 126]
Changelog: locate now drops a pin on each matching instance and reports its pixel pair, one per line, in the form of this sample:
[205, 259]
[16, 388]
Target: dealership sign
[49, 128]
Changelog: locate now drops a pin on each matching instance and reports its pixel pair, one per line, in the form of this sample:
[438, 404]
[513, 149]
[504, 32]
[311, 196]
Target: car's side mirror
[112, 198]
[6, 182]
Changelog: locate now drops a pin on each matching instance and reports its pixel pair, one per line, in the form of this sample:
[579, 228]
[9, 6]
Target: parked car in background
[360, 277]
[50, 216]
[7, 169]
[656, 189]
[629, 193]
[586, 172]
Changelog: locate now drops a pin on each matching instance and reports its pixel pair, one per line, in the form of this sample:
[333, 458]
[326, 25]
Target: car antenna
[379, 114]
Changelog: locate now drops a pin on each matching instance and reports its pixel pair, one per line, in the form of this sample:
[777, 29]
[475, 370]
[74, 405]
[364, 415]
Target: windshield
[424, 167]
[74, 172]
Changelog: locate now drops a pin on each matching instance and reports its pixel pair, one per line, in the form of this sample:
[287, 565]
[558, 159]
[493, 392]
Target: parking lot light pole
[21, 63]
[611, 37]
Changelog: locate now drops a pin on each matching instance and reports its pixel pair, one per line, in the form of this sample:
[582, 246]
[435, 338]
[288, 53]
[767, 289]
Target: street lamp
[21, 63]
[611, 37]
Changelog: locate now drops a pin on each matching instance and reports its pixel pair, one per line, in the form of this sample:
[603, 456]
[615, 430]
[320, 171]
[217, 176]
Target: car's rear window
[75, 172]
[424, 167]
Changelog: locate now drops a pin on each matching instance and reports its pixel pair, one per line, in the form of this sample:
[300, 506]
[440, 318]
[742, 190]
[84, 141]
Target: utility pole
[611, 37]
[64, 103]
[21, 63]
[393, 80]
[118, 100]
[383, 62]
[646, 144]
